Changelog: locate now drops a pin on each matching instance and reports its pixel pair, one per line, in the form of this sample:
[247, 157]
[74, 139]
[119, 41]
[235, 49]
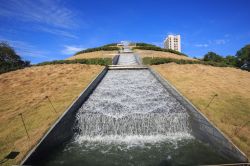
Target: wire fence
[25, 128]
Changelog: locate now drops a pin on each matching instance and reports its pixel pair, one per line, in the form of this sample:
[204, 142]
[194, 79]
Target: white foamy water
[127, 59]
[131, 106]
[133, 124]
[134, 139]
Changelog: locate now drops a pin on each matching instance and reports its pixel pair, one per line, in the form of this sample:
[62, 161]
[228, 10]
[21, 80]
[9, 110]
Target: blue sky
[42, 30]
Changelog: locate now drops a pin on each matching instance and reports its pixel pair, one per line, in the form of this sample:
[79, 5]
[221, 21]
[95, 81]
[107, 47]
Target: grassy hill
[160, 54]
[230, 110]
[24, 91]
[95, 54]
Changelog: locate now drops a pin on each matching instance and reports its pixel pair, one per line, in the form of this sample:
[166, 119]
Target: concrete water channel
[130, 118]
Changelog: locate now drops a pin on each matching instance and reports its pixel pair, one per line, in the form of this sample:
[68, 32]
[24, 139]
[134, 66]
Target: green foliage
[228, 60]
[9, 60]
[242, 58]
[108, 47]
[231, 60]
[157, 61]
[243, 55]
[95, 61]
[145, 46]
[211, 56]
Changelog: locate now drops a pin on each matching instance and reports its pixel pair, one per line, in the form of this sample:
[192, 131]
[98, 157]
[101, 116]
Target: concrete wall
[202, 128]
[62, 130]
[138, 59]
[115, 60]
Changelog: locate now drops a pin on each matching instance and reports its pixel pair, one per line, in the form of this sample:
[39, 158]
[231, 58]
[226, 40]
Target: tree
[211, 56]
[8, 54]
[9, 60]
[243, 56]
[231, 60]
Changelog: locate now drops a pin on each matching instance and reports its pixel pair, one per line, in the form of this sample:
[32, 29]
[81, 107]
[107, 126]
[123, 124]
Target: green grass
[158, 61]
[110, 47]
[92, 61]
[144, 46]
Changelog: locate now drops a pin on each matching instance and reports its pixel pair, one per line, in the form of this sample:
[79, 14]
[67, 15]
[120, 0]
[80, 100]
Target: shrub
[157, 61]
[145, 46]
[108, 47]
[95, 61]
[211, 56]
[242, 58]
[231, 60]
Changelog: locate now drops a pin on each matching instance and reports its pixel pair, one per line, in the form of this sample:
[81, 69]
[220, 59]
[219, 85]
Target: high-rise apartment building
[173, 42]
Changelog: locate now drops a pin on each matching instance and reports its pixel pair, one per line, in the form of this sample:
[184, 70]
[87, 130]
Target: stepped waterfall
[131, 119]
[131, 104]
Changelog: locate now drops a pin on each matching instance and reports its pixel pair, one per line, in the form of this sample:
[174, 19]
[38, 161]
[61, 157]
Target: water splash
[130, 106]
[93, 124]
[133, 140]
[127, 59]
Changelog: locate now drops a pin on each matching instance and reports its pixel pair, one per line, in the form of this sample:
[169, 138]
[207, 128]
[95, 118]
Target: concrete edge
[126, 67]
[76, 104]
[115, 59]
[225, 143]
[138, 59]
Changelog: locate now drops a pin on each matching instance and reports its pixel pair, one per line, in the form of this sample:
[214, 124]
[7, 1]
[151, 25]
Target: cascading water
[130, 104]
[131, 119]
[127, 59]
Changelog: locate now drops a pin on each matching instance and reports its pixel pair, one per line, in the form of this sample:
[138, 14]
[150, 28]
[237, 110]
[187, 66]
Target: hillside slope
[95, 54]
[24, 91]
[230, 110]
[161, 54]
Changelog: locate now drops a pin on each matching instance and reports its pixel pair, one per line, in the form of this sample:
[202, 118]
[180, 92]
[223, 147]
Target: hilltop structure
[173, 42]
[126, 43]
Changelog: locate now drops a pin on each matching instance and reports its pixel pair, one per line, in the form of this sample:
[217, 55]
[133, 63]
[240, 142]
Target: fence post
[21, 114]
[211, 101]
[51, 104]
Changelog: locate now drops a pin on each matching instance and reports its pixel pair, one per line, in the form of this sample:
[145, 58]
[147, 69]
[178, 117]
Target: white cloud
[69, 50]
[201, 45]
[58, 32]
[51, 16]
[50, 12]
[220, 41]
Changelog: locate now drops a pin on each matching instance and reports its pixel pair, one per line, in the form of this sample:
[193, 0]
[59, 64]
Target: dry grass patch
[230, 109]
[96, 54]
[161, 54]
[26, 90]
